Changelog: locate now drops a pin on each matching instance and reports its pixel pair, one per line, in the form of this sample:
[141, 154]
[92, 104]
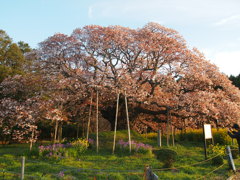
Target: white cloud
[90, 12]
[228, 20]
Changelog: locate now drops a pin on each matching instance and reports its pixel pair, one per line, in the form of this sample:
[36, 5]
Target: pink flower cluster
[53, 147]
[61, 174]
[91, 141]
[135, 145]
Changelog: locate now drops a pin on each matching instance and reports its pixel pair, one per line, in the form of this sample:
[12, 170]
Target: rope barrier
[211, 172]
[162, 169]
[69, 168]
[112, 170]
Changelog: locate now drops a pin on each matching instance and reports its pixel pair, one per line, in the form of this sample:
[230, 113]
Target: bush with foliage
[216, 149]
[80, 146]
[167, 156]
[136, 147]
[220, 136]
[218, 152]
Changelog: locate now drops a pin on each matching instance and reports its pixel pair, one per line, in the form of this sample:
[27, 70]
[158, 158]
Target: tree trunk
[115, 127]
[55, 132]
[31, 141]
[60, 131]
[77, 129]
[173, 138]
[83, 128]
[128, 125]
[168, 127]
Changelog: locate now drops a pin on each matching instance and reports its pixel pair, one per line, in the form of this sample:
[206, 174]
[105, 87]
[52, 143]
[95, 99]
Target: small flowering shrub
[80, 146]
[54, 151]
[73, 149]
[136, 147]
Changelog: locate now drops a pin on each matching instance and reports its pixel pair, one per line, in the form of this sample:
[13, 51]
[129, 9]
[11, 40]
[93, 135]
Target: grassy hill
[190, 162]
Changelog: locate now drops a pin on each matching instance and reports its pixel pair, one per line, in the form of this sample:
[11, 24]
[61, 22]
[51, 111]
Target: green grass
[105, 165]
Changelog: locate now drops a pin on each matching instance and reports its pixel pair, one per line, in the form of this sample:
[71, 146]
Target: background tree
[235, 80]
[12, 58]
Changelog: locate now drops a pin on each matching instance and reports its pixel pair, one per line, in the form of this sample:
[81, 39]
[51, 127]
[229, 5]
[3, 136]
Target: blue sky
[212, 26]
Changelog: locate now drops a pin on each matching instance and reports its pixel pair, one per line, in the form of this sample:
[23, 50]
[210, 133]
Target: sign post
[207, 134]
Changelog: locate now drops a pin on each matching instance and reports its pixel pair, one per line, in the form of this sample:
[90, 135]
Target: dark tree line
[235, 80]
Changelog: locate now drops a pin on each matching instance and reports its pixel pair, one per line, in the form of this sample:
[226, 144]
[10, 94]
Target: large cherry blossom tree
[162, 78]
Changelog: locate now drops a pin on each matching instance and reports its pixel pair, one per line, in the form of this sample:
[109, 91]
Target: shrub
[221, 137]
[167, 156]
[53, 151]
[218, 151]
[80, 145]
[73, 149]
[218, 160]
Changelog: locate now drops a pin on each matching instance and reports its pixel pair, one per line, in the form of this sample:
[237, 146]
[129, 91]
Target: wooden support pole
[22, 167]
[173, 139]
[115, 127]
[97, 143]
[128, 125]
[204, 142]
[159, 138]
[89, 116]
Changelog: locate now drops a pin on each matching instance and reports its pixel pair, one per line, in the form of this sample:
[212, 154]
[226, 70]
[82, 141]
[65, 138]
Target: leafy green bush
[167, 156]
[218, 151]
[80, 145]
